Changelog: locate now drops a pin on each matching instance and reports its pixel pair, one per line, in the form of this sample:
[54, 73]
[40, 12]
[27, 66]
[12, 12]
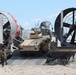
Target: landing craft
[41, 39]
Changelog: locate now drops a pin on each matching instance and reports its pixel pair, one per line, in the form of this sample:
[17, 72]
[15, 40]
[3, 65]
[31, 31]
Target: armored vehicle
[38, 42]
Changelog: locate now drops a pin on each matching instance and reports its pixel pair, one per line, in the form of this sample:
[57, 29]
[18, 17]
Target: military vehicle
[38, 41]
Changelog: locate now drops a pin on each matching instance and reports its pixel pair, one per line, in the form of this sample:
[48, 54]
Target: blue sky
[29, 12]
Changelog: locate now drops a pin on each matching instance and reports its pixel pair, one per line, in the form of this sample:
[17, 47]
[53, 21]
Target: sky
[30, 12]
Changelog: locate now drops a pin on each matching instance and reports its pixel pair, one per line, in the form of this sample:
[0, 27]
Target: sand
[69, 69]
[38, 70]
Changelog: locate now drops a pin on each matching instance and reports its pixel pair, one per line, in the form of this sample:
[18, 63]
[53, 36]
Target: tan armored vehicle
[36, 43]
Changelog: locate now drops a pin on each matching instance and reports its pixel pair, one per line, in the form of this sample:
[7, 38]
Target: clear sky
[29, 12]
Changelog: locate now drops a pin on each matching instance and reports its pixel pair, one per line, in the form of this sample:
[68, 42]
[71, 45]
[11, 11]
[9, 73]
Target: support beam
[1, 29]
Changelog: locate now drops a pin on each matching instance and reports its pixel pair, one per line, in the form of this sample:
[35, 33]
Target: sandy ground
[69, 69]
[38, 70]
